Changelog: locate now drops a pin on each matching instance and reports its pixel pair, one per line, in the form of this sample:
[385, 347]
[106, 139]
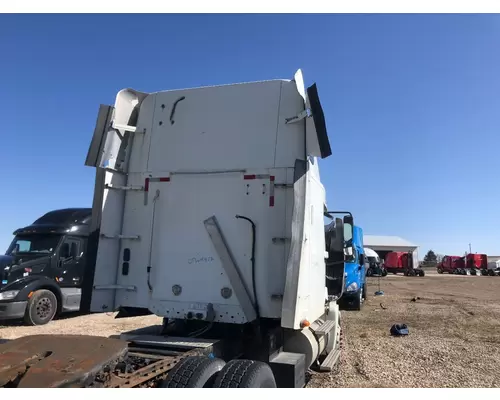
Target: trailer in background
[494, 268]
[402, 262]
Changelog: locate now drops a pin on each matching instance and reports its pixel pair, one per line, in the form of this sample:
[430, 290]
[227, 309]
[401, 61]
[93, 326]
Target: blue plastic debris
[399, 330]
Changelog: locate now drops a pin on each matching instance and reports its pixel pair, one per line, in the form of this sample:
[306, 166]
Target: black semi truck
[42, 270]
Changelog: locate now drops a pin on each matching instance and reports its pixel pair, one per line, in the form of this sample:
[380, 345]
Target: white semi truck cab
[209, 212]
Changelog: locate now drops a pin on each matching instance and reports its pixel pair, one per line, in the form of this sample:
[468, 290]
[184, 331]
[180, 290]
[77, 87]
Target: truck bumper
[12, 310]
[350, 297]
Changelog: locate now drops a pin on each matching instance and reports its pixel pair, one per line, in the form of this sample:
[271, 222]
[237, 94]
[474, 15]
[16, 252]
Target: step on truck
[208, 212]
[42, 270]
[402, 262]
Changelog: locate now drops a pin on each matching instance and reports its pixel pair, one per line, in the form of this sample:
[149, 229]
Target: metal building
[493, 258]
[385, 244]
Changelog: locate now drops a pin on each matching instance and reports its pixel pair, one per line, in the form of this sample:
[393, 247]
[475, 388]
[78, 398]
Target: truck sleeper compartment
[176, 161]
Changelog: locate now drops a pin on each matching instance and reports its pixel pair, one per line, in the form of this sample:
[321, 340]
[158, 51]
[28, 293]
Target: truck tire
[357, 302]
[384, 272]
[440, 271]
[41, 308]
[245, 374]
[369, 272]
[421, 272]
[193, 372]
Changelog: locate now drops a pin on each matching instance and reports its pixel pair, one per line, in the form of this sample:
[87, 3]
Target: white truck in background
[209, 212]
[375, 264]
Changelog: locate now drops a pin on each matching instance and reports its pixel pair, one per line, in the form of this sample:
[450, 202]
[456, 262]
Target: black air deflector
[319, 121]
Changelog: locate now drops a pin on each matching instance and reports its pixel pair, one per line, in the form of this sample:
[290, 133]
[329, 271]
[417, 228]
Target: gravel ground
[94, 324]
[454, 335]
[453, 342]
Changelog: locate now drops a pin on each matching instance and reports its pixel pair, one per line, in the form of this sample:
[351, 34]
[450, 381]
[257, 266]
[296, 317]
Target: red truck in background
[477, 264]
[471, 264]
[451, 265]
[398, 261]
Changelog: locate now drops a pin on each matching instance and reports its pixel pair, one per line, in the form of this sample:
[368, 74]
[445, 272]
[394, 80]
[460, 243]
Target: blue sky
[412, 104]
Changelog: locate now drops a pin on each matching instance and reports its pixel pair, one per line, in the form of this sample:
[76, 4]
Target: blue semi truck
[355, 273]
[353, 281]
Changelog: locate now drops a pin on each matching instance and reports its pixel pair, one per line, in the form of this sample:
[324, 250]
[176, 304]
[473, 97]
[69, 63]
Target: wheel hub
[44, 308]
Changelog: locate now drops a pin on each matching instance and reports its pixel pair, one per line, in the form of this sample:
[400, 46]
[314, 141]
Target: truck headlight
[352, 287]
[8, 295]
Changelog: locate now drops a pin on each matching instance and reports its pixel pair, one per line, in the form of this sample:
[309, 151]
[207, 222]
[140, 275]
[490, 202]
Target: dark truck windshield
[39, 244]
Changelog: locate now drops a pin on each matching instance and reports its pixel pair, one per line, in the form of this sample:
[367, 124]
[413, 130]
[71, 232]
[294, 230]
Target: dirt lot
[454, 334]
[453, 342]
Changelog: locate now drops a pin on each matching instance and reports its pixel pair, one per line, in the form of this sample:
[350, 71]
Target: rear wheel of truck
[193, 372]
[440, 271]
[245, 374]
[41, 308]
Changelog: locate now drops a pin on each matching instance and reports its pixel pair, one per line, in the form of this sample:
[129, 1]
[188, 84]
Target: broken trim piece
[319, 121]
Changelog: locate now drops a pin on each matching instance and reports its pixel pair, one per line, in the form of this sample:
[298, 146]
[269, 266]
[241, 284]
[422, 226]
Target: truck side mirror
[348, 219]
[361, 259]
[65, 251]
